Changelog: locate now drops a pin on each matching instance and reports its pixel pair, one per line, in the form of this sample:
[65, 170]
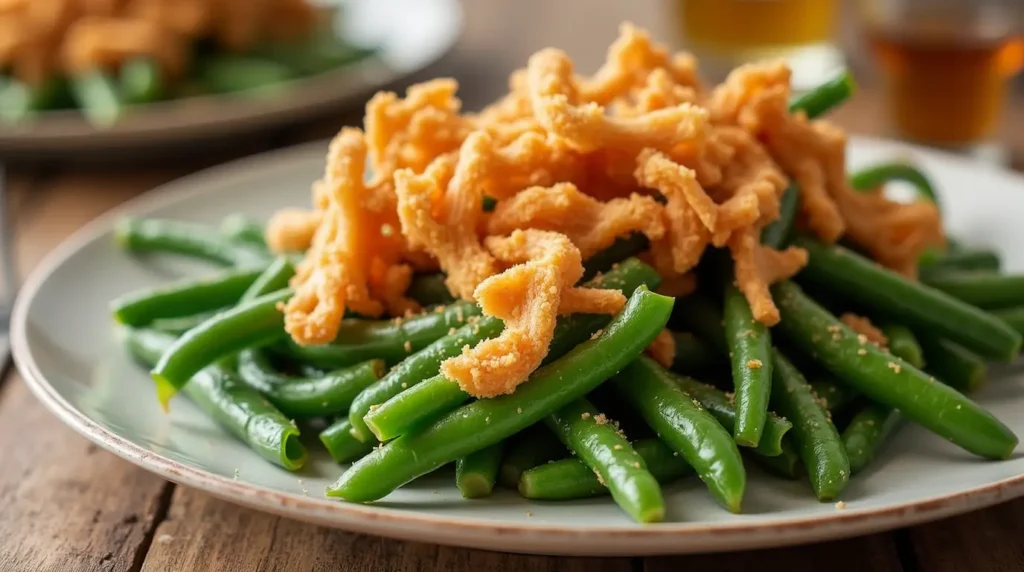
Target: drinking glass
[946, 65]
[728, 33]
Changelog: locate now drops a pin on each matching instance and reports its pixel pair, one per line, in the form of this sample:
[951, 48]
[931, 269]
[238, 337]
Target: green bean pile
[807, 397]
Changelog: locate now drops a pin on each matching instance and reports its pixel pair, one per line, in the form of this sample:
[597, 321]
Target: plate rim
[660, 538]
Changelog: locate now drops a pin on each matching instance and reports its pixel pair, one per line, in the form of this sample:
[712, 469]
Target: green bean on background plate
[429, 400]
[685, 426]
[887, 379]
[178, 326]
[98, 97]
[1014, 317]
[601, 447]
[872, 177]
[243, 230]
[974, 259]
[183, 298]
[921, 307]
[140, 81]
[485, 422]
[231, 403]
[825, 96]
[530, 448]
[572, 479]
[476, 473]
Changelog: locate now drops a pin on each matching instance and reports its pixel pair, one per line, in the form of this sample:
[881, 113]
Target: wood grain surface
[67, 506]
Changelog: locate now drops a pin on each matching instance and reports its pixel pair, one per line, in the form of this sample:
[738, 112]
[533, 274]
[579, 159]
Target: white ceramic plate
[64, 347]
[410, 35]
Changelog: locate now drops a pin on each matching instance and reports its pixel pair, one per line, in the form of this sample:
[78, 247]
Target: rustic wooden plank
[987, 540]
[67, 505]
[202, 533]
[876, 553]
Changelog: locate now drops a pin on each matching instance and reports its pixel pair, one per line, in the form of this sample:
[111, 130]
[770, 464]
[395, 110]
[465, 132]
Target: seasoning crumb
[618, 447]
[636, 464]
[840, 505]
[529, 513]
[754, 364]
[895, 367]
[451, 330]
[407, 345]
[862, 338]
[439, 310]
[519, 410]
[862, 352]
[405, 385]
[600, 419]
[597, 334]
[585, 415]
[374, 407]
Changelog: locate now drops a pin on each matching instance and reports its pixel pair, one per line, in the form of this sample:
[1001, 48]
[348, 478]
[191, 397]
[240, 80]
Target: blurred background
[110, 78]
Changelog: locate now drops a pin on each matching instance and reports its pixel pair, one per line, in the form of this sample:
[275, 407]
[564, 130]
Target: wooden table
[66, 505]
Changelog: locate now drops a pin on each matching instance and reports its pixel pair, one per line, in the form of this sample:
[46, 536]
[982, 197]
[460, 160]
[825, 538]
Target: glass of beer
[946, 65]
[728, 33]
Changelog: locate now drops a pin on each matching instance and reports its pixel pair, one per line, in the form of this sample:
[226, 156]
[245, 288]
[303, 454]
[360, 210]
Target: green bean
[888, 379]
[982, 289]
[532, 447]
[693, 355]
[834, 395]
[340, 443]
[572, 479]
[778, 232]
[786, 464]
[20, 101]
[699, 315]
[817, 440]
[250, 325]
[416, 368]
[476, 472]
[178, 326]
[837, 269]
[750, 353]
[276, 277]
[224, 73]
[183, 298]
[1014, 317]
[242, 230]
[487, 421]
[177, 237]
[877, 175]
[232, 404]
[952, 364]
[306, 397]
[902, 343]
[960, 260]
[623, 248]
[389, 340]
[825, 96]
[720, 406]
[141, 81]
[97, 97]
[866, 432]
[429, 400]
[686, 427]
[601, 447]
[429, 289]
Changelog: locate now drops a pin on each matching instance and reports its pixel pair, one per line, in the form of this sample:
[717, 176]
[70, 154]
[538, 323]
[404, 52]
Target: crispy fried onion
[757, 267]
[590, 224]
[348, 258]
[440, 210]
[528, 297]
[663, 348]
[864, 327]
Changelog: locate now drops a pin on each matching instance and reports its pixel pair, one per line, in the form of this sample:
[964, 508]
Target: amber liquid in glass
[731, 25]
[945, 87]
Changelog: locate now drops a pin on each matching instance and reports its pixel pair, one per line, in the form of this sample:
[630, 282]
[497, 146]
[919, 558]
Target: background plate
[410, 34]
[65, 350]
